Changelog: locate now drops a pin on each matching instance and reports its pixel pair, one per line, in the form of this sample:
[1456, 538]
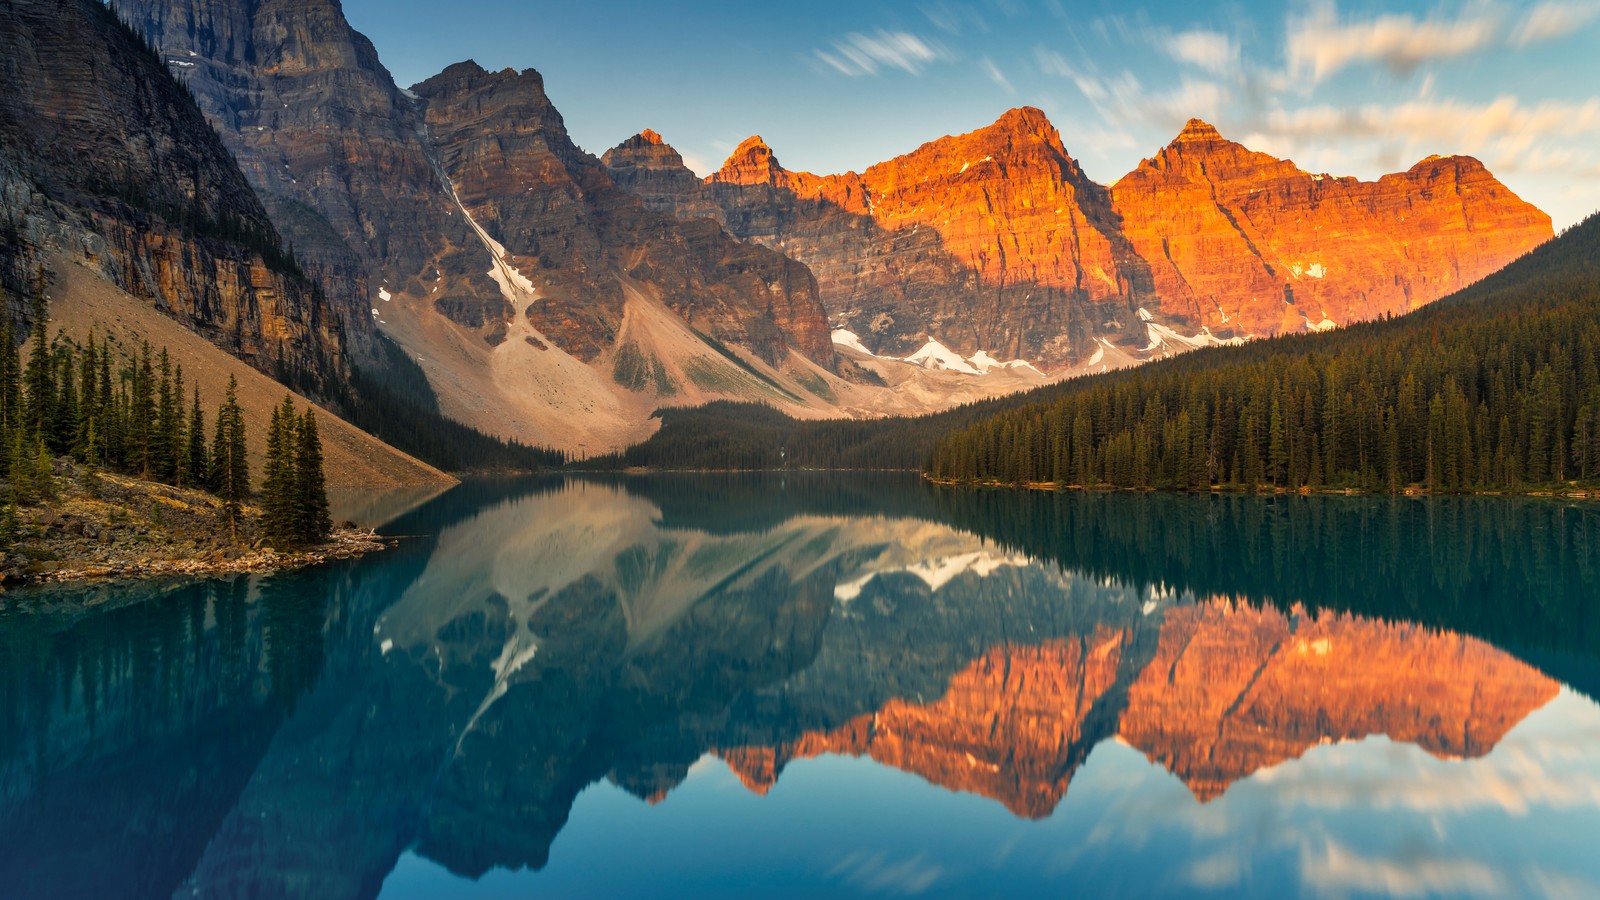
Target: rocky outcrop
[997, 241]
[1231, 691]
[560, 217]
[1242, 239]
[337, 152]
[372, 180]
[461, 221]
[1234, 690]
[1014, 725]
[105, 158]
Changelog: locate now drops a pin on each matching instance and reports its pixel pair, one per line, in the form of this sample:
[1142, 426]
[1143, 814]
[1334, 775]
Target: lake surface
[823, 685]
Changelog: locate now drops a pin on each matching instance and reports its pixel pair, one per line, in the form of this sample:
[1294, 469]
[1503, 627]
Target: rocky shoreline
[102, 526]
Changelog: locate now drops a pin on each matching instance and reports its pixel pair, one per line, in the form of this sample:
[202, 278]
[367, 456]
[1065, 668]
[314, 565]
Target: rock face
[1213, 712]
[470, 229]
[105, 158]
[557, 211]
[1230, 691]
[1241, 239]
[997, 241]
[1014, 725]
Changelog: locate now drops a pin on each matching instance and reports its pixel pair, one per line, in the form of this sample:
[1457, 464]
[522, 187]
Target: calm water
[830, 686]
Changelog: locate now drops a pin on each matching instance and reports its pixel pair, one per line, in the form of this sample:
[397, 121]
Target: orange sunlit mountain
[996, 240]
[1231, 690]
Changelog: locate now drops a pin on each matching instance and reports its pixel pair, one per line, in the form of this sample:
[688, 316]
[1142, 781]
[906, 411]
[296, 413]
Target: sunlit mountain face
[839, 683]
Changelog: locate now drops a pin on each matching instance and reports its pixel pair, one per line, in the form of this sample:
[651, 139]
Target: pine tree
[315, 524]
[279, 488]
[141, 414]
[229, 465]
[196, 466]
[163, 452]
[40, 375]
[10, 528]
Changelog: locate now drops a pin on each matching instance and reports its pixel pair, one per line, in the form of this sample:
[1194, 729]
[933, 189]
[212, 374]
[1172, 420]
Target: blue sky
[1348, 88]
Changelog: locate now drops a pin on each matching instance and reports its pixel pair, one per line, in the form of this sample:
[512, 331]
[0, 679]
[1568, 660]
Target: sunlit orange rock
[1243, 240]
[996, 240]
[1234, 690]
[1014, 725]
[1230, 691]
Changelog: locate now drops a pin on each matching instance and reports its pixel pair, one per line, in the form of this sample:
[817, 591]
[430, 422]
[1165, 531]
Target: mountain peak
[754, 144]
[1024, 118]
[752, 162]
[1198, 130]
[645, 150]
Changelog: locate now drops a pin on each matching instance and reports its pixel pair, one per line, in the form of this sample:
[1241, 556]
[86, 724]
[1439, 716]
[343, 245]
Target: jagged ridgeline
[107, 161]
[1494, 388]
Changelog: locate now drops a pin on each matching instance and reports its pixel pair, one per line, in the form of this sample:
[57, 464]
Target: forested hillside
[1496, 388]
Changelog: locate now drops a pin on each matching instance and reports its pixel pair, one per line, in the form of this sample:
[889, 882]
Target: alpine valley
[558, 299]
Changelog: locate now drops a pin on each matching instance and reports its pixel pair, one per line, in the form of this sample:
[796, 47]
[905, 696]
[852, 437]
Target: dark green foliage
[312, 521]
[278, 486]
[294, 495]
[39, 377]
[198, 466]
[1498, 325]
[1495, 388]
[10, 528]
[230, 468]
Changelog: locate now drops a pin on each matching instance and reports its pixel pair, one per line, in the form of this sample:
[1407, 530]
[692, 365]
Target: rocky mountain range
[560, 299]
[996, 241]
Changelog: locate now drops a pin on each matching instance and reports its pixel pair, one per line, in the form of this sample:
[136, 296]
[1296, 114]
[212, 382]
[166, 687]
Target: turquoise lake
[818, 685]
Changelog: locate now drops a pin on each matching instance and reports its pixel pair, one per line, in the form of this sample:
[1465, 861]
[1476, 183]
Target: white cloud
[1514, 135]
[1320, 45]
[1338, 870]
[1550, 21]
[995, 75]
[954, 18]
[863, 54]
[1210, 50]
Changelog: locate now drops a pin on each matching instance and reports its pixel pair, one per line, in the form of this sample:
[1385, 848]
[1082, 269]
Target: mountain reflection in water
[451, 700]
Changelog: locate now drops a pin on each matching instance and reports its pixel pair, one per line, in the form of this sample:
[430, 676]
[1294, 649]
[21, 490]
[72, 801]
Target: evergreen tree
[163, 436]
[280, 518]
[40, 375]
[311, 504]
[198, 474]
[230, 466]
[10, 528]
[141, 413]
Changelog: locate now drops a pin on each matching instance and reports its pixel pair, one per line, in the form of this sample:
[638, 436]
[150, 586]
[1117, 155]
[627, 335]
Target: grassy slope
[82, 302]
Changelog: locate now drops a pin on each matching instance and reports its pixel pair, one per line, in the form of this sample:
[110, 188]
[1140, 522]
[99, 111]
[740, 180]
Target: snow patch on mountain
[936, 572]
[936, 357]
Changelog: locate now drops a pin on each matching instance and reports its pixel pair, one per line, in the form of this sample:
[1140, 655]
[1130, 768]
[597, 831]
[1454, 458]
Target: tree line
[1497, 390]
[134, 414]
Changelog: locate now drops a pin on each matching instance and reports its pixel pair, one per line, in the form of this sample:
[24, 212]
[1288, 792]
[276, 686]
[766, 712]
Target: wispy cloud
[1549, 21]
[995, 75]
[1320, 44]
[955, 18]
[1210, 50]
[857, 54]
[1506, 130]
